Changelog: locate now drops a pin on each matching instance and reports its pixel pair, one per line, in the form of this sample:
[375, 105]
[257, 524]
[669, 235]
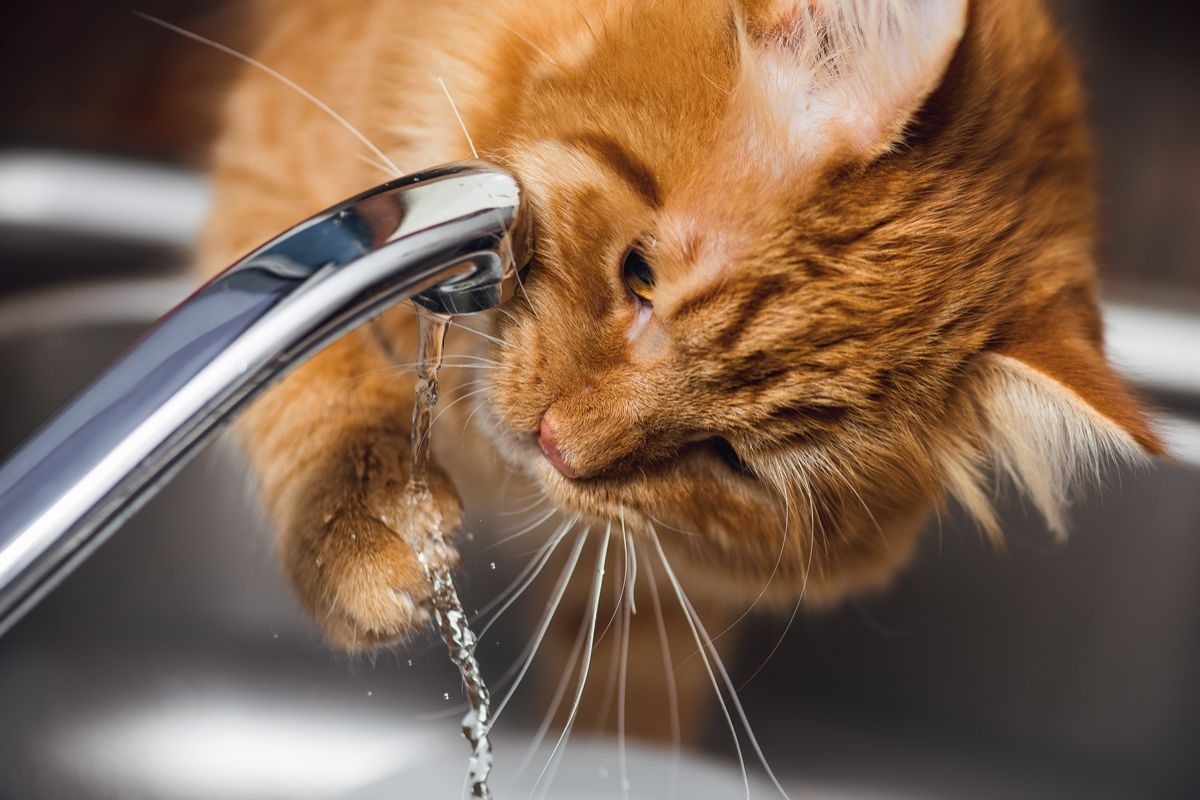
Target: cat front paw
[351, 558]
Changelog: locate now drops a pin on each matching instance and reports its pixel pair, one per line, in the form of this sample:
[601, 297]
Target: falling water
[427, 538]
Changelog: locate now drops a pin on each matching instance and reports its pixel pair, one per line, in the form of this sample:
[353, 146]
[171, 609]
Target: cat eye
[638, 275]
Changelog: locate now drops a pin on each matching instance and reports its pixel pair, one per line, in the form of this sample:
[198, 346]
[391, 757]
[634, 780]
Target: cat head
[804, 267]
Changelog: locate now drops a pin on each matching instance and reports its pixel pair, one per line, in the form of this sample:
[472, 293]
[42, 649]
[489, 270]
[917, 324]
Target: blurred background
[175, 664]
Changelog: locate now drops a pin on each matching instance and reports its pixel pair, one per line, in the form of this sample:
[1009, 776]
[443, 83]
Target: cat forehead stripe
[636, 172]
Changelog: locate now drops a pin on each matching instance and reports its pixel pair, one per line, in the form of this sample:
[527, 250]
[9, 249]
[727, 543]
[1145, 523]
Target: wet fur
[871, 224]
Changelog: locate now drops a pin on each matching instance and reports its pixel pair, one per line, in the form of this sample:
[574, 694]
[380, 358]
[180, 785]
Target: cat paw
[352, 561]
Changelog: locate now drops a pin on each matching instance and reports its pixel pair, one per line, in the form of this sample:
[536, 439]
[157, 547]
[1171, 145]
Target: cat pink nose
[549, 445]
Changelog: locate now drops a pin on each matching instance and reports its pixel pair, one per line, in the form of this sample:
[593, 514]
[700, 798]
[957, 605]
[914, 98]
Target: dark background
[90, 75]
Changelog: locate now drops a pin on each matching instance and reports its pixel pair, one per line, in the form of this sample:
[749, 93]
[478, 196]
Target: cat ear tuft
[850, 71]
[1052, 414]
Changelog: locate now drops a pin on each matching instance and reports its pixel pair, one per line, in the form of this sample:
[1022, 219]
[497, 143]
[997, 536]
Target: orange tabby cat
[804, 268]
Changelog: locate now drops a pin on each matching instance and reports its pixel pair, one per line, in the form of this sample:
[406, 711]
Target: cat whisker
[704, 659]
[521, 532]
[762, 593]
[376, 163]
[621, 590]
[539, 564]
[500, 597]
[672, 688]
[594, 612]
[629, 610]
[551, 607]
[458, 116]
[480, 405]
[529, 42]
[702, 636]
[539, 500]
[614, 666]
[621, 595]
[279, 76]
[528, 652]
[528, 301]
[560, 692]
[672, 528]
[457, 400]
[404, 369]
[456, 324]
[799, 600]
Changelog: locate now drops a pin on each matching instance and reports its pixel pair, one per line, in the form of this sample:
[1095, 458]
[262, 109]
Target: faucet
[452, 239]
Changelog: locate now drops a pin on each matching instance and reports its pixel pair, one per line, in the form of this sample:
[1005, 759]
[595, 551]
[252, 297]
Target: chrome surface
[453, 238]
[50, 194]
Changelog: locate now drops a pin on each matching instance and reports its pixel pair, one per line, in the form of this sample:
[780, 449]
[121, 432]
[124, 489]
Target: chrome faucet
[452, 239]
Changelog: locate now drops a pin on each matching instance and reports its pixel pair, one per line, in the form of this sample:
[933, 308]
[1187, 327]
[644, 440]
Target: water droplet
[625, 785]
[274, 635]
[492, 565]
[410, 662]
[328, 518]
[445, 695]
[370, 694]
[602, 772]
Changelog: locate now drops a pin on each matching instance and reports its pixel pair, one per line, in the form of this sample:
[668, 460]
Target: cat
[804, 269]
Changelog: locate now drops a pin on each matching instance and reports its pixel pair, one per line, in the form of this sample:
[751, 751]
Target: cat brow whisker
[458, 116]
[594, 612]
[279, 76]
[701, 634]
[528, 41]
[551, 608]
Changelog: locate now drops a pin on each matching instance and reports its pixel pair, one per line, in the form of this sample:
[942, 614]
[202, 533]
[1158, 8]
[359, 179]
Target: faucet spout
[453, 239]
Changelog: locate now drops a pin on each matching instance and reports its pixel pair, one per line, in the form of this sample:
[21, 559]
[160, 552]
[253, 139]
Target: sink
[176, 664]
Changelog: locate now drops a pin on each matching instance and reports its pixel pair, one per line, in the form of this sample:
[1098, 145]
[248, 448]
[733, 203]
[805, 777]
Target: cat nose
[549, 445]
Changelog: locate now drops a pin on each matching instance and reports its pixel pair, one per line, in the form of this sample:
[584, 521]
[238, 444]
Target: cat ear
[1052, 410]
[850, 73]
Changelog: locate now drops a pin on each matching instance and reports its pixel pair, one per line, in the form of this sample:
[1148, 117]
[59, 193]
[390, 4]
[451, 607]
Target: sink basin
[176, 664]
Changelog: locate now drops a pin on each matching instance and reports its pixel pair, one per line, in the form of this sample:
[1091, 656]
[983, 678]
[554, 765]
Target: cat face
[801, 269]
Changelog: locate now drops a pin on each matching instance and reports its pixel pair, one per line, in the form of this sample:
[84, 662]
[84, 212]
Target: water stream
[427, 536]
